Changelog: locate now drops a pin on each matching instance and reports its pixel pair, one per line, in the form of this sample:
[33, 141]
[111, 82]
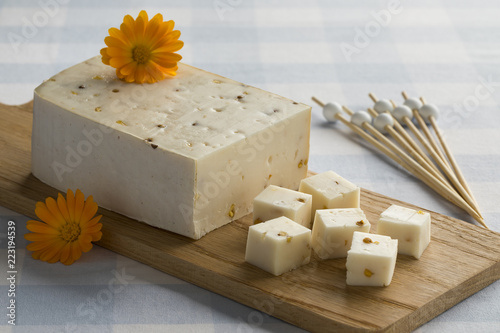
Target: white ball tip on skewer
[413, 103]
[381, 121]
[330, 110]
[383, 105]
[402, 111]
[429, 110]
[361, 117]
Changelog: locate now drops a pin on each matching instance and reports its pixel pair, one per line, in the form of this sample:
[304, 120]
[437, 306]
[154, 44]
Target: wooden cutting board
[461, 259]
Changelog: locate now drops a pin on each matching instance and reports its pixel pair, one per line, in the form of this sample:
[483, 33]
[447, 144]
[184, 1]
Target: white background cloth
[447, 51]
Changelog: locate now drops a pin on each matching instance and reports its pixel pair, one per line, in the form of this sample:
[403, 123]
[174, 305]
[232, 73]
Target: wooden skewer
[409, 164]
[413, 143]
[317, 101]
[436, 184]
[402, 142]
[428, 135]
[423, 141]
[449, 155]
[409, 144]
[446, 168]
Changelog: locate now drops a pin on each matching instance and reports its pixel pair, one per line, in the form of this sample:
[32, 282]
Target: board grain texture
[461, 259]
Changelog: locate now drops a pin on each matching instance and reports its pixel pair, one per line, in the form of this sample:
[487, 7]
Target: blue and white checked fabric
[447, 51]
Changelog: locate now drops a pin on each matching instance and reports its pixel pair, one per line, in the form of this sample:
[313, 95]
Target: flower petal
[144, 15]
[118, 52]
[155, 72]
[36, 255]
[63, 207]
[70, 200]
[140, 73]
[65, 252]
[128, 68]
[96, 236]
[43, 228]
[169, 26]
[45, 215]
[86, 247]
[127, 27]
[166, 57]
[172, 47]
[140, 25]
[93, 229]
[68, 261]
[79, 203]
[54, 209]
[115, 42]
[152, 29]
[85, 243]
[89, 210]
[105, 58]
[76, 251]
[117, 33]
[35, 237]
[35, 246]
[118, 62]
[52, 254]
[166, 40]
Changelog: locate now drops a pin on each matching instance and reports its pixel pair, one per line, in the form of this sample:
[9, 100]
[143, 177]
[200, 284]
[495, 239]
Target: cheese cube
[277, 201]
[410, 227]
[278, 245]
[333, 229]
[329, 190]
[371, 260]
[187, 154]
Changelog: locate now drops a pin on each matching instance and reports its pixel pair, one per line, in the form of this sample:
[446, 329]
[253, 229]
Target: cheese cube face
[329, 190]
[278, 245]
[187, 154]
[333, 229]
[277, 201]
[410, 227]
[371, 260]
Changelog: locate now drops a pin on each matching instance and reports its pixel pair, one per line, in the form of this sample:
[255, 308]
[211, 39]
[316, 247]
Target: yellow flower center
[141, 54]
[70, 232]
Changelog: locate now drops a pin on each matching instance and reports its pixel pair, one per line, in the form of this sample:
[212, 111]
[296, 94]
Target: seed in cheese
[187, 154]
[329, 190]
[278, 245]
[333, 229]
[277, 201]
[371, 260]
[410, 227]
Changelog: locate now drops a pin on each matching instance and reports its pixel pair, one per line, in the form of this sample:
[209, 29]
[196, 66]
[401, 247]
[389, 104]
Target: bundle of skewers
[402, 133]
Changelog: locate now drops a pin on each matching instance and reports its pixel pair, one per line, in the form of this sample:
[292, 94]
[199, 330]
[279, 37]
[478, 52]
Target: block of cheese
[187, 154]
[333, 229]
[411, 228]
[371, 260]
[277, 201]
[278, 245]
[329, 190]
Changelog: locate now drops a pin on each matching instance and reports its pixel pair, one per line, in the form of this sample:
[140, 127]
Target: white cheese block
[410, 227]
[333, 229]
[277, 201]
[371, 260]
[329, 190]
[187, 154]
[278, 245]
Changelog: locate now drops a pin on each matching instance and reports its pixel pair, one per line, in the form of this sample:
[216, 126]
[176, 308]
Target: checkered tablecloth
[447, 51]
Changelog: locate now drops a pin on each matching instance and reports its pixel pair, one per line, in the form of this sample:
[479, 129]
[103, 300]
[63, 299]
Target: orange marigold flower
[68, 228]
[143, 50]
